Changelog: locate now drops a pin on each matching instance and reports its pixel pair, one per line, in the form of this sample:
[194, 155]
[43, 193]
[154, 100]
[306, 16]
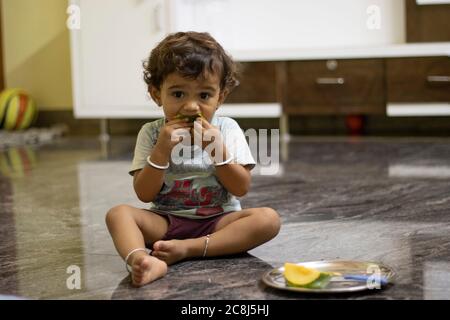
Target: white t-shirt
[190, 187]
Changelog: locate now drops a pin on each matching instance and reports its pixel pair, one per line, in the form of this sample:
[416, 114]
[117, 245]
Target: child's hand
[205, 134]
[171, 134]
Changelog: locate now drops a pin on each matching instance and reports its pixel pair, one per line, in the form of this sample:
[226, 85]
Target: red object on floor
[355, 124]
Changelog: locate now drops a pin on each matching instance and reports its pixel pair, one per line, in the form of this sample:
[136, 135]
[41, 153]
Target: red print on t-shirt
[182, 192]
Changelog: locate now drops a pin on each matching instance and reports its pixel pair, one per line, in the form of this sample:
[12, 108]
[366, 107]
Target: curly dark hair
[190, 54]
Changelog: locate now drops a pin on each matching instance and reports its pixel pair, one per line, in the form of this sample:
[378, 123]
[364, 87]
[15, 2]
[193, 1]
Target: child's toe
[161, 254]
[156, 247]
[145, 265]
[137, 270]
[136, 279]
[161, 245]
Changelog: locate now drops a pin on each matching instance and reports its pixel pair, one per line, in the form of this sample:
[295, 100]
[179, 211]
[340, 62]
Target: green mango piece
[189, 118]
[320, 282]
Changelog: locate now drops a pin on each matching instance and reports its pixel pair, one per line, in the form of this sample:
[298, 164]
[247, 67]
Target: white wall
[242, 25]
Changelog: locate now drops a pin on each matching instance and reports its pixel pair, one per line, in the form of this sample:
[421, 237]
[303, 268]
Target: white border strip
[422, 2]
[234, 110]
[76, 65]
[417, 109]
[360, 52]
[243, 110]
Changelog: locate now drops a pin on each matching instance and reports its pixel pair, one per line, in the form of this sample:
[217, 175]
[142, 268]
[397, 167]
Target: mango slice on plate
[300, 276]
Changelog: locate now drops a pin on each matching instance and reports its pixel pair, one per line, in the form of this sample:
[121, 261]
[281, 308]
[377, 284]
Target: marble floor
[373, 199]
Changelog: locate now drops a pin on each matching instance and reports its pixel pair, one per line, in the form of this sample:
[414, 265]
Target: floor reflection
[17, 162]
[436, 280]
[431, 261]
[43, 231]
[419, 171]
[8, 244]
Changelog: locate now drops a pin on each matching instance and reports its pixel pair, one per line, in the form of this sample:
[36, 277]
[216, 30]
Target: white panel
[235, 110]
[421, 2]
[114, 39]
[250, 110]
[267, 24]
[418, 109]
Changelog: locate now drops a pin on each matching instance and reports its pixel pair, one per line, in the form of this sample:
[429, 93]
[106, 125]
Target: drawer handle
[438, 79]
[330, 81]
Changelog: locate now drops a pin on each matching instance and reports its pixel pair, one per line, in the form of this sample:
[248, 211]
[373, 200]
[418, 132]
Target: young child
[194, 210]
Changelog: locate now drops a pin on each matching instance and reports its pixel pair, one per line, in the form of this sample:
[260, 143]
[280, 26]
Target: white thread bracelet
[206, 245]
[224, 162]
[157, 166]
[131, 252]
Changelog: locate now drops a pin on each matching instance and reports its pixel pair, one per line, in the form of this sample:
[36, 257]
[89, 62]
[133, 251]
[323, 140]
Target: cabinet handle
[438, 79]
[330, 80]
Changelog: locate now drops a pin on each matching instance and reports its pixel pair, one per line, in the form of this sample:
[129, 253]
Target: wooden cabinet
[427, 23]
[346, 86]
[335, 87]
[257, 83]
[425, 79]
[107, 55]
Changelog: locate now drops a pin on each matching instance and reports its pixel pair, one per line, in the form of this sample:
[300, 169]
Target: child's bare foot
[146, 269]
[170, 251]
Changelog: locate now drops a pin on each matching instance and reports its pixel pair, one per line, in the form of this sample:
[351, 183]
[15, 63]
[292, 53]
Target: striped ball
[17, 110]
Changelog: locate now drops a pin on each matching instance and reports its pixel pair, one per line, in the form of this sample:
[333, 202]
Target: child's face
[186, 96]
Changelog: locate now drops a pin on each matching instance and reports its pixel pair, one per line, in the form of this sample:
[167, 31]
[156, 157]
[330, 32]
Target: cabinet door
[107, 55]
[427, 23]
[425, 79]
[335, 87]
[257, 83]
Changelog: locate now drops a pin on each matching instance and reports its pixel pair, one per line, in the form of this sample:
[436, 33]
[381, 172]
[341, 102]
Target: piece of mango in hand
[300, 276]
[189, 118]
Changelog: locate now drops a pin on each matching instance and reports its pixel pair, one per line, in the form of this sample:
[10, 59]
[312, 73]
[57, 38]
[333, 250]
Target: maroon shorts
[185, 228]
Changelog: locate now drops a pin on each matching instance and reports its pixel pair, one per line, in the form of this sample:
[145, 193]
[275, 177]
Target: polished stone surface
[382, 200]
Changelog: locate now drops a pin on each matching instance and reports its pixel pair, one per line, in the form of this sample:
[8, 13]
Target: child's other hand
[171, 134]
[205, 133]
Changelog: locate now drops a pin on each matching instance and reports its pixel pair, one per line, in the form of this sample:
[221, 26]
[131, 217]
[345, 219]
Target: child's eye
[204, 95]
[178, 94]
